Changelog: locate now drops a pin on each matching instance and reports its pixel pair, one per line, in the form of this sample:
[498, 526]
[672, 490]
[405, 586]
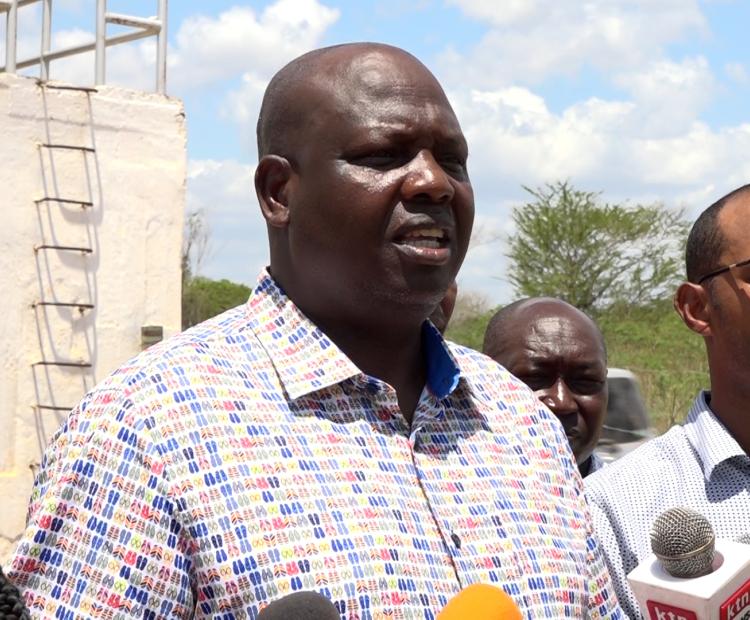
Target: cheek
[464, 208]
[593, 409]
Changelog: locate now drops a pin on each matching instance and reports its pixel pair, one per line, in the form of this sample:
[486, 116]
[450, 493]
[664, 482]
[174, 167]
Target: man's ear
[692, 304]
[272, 180]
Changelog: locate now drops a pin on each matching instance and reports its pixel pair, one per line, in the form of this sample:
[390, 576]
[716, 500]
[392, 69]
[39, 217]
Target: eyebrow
[397, 131]
[545, 361]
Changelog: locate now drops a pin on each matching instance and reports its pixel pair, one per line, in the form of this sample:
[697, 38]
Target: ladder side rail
[161, 49]
[11, 34]
[101, 42]
[46, 39]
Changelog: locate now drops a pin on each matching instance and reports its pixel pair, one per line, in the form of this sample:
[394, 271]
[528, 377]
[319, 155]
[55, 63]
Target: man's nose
[559, 398]
[427, 180]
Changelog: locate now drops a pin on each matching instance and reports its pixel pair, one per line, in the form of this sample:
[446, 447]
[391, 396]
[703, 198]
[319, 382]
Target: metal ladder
[140, 27]
[57, 312]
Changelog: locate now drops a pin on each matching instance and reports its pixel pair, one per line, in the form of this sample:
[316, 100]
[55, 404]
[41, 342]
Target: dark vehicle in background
[627, 424]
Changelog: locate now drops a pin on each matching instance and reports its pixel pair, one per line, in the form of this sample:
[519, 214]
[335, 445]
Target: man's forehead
[552, 322]
[351, 73]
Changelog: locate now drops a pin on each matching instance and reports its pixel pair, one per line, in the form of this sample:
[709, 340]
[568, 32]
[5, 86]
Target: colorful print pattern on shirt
[248, 458]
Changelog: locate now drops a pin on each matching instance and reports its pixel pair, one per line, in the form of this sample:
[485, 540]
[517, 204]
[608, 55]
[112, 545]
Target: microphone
[690, 575]
[684, 541]
[480, 601]
[300, 606]
[12, 606]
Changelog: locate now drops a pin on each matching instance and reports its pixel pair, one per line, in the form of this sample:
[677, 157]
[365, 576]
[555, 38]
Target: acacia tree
[569, 244]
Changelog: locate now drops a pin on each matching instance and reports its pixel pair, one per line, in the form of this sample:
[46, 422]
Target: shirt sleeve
[610, 546]
[103, 537]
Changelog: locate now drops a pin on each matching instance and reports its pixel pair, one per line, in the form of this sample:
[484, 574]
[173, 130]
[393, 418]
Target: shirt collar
[307, 360]
[443, 372]
[710, 439]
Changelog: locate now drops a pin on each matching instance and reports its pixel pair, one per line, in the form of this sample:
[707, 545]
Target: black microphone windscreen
[12, 606]
[300, 606]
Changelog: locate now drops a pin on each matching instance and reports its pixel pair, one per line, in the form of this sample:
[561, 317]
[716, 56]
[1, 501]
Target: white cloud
[240, 43]
[505, 13]
[737, 72]
[242, 105]
[529, 40]
[211, 49]
[224, 191]
[598, 145]
[669, 95]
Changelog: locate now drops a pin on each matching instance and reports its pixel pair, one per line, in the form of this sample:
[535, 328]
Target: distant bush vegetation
[203, 298]
[651, 341]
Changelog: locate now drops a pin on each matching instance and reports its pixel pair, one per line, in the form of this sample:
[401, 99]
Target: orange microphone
[480, 601]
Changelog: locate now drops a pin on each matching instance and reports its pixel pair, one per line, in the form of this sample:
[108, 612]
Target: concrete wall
[135, 178]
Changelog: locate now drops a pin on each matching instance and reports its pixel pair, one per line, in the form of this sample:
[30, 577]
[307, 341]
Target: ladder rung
[72, 147]
[65, 364]
[67, 248]
[64, 304]
[52, 408]
[69, 201]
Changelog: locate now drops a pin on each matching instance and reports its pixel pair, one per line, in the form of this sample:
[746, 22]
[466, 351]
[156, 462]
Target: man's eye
[587, 386]
[453, 164]
[379, 159]
[536, 382]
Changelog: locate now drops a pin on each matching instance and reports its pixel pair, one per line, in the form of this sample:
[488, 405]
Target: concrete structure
[99, 175]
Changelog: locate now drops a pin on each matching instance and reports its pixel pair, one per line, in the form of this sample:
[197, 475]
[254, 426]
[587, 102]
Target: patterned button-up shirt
[248, 458]
[698, 465]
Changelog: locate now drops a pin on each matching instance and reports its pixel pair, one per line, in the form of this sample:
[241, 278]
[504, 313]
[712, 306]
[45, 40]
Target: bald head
[559, 352]
[295, 92]
[706, 242]
[520, 314]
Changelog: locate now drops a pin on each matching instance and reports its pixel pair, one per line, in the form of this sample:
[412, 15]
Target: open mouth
[430, 238]
[425, 246]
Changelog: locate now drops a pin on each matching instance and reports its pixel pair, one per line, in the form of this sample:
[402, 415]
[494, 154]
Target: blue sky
[642, 100]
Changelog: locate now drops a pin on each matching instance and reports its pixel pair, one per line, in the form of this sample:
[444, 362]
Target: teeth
[421, 233]
[424, 242]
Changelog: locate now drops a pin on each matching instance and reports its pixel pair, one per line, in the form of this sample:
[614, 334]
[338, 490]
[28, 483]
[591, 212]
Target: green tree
[203, 298]
[569, 244]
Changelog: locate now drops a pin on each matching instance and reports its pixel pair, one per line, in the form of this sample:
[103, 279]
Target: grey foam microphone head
[744, 539]
[683, 540]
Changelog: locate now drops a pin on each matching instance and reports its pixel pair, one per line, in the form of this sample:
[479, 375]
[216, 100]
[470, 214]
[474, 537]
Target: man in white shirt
[704, 463]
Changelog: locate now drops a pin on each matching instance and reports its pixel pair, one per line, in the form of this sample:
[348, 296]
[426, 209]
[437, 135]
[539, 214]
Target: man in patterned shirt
[703, 463]
[323, 436]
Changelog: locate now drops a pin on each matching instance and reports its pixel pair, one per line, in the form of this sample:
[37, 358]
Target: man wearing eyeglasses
[703, 463]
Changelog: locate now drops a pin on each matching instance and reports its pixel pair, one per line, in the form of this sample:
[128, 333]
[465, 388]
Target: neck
[386, 344]
[393, 356]
[730, 396]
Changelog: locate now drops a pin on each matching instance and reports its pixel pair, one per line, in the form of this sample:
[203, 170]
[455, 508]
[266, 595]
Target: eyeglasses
[716, 272]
